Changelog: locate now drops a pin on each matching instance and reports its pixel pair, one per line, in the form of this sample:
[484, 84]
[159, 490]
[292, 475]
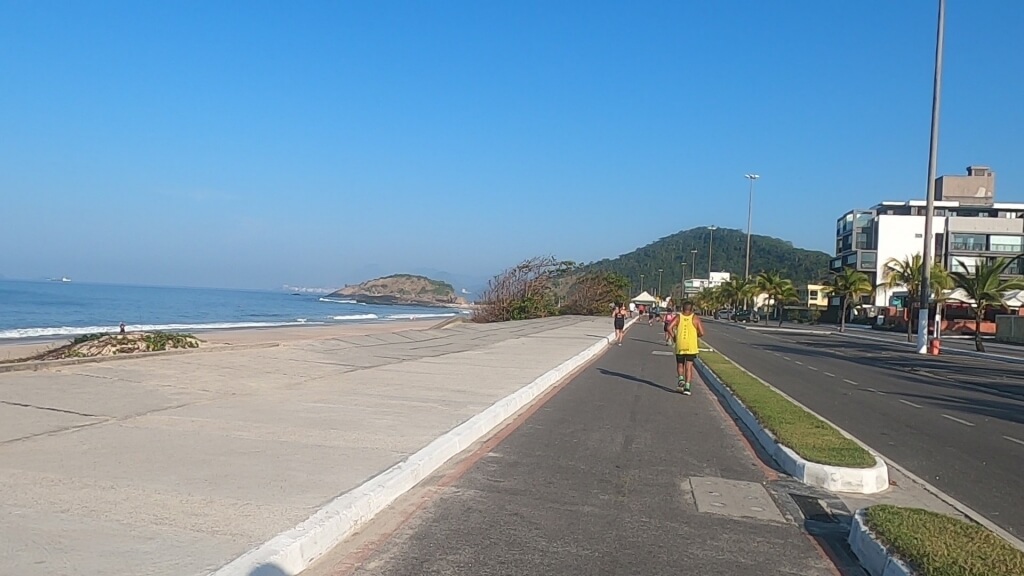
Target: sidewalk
[176, 465]
[617, 474]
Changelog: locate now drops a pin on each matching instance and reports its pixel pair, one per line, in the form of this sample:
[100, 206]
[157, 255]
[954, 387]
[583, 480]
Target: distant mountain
[401, 289]
[473, 285]
[728, 255]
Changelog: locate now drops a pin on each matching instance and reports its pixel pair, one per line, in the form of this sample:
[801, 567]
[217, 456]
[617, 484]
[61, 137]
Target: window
[940, 211]
[836, 264]
[868, 260]
[813, 294]
[851, 259]
[1015, 268]
[970, 242]
[863, 241]
[863, 219]
[965, 265]
[1006, 244]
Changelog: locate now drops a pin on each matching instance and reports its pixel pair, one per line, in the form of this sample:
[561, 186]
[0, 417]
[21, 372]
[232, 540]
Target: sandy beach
[282, 334]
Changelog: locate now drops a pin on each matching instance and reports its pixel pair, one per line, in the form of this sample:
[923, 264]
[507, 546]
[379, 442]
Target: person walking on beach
[122, 327]
[670, 317]
[619, 319]
[686, 329]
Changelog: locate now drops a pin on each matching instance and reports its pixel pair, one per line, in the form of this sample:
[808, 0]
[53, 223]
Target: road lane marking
[850, 382]
[813, 368]
[661, 353]
[786, 358]
[1011, 439]
[909, 403]
[876, 391]
[799, 362]
[829, 374]
[955, 419]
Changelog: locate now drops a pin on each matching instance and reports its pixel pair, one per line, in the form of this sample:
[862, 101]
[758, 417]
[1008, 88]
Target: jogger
[686, 329]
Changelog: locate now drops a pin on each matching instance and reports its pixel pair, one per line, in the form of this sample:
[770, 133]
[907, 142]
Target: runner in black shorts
[619, 318]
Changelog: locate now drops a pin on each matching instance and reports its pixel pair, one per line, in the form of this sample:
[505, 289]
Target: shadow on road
[635, 379]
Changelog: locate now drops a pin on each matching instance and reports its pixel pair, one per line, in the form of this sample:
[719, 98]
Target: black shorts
[620, 323]
[684, 358]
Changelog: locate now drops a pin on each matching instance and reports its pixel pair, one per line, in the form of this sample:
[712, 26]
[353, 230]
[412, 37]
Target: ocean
[49, 310]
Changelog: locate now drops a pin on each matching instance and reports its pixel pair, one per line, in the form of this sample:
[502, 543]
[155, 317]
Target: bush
[593, 294]
[523, 292]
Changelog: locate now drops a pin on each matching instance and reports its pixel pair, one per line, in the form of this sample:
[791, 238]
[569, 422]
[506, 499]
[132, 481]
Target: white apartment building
[695, 285]
[969, 226]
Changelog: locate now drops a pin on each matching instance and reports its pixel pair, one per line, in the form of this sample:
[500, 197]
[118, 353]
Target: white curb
[294, 550]
[873, 555]
[833, 478]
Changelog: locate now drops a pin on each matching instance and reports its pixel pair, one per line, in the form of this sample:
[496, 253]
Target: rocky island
[402, 289]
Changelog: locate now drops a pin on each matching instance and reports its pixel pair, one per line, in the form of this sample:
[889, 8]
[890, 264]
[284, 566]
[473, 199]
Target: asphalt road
[957, 422]
[965, 343]
[601, 480]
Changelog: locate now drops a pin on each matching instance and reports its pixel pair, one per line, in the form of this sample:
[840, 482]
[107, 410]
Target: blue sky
[251, 144]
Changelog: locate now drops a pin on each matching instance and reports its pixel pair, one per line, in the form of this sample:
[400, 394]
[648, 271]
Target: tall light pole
[660, 270]
[693, 260]
[710, 243]
[641, 282]
[750, 214]
[682, 285]
[933, 153]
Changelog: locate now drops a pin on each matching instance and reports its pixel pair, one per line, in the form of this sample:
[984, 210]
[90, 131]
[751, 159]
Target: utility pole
[660, 270]
[750, 214]
[693, 260]
[641, 282]
[710, 243]
[933, 153]
[682, 285]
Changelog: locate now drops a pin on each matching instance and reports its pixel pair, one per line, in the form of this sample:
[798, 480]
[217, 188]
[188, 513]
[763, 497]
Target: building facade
[969, 227]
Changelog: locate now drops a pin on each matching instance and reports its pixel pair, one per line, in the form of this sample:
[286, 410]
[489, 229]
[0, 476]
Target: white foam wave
[79, 330]
[355, 317]
[417, 316]
[337, 300]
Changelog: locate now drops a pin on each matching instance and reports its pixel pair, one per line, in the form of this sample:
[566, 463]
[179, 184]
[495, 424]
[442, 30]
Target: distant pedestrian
[687, 329]
[619, 320]
[632, 309]
[670, 317]
[122, 327]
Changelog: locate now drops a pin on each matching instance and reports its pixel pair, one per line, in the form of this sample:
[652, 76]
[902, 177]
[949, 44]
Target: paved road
[957, 422]
[616, 474]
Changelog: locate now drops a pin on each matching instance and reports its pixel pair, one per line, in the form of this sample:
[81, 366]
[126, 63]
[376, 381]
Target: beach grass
[806, 434]
[938, 545]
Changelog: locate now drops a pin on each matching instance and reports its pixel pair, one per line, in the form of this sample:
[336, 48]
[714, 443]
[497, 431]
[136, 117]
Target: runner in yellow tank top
[686, 329]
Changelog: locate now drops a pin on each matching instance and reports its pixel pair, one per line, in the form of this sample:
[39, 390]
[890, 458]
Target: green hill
[729, 253]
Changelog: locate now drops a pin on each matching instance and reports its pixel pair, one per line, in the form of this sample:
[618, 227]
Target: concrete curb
[47, 364]
[872, 554]
[833, 478]
[293, 551]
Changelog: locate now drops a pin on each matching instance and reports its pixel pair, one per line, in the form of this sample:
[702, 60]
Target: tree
[780, 291]
[906, 274]
[849, 285]
[986, 287]
[593, 293]
[523, 292]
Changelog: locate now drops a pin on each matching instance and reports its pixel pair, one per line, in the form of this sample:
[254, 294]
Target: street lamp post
[711, 242]
[641, 282]
[933, 152]
[750, 214]
[660, 270]
[682, 285]
[693, 259]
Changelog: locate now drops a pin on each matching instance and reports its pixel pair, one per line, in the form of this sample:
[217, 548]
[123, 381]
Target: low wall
[1010, 329]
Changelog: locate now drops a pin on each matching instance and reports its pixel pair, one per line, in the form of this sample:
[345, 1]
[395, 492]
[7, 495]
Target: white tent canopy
[1013, 298]
[645, 299]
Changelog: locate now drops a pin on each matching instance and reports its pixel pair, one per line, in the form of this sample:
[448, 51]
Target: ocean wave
[337, 300]
[417, 316]
[355, 317]
[79, 330]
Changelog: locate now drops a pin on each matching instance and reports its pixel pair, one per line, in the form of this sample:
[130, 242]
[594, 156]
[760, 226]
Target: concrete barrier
[872, 554]
[833, 478]
[294, 550]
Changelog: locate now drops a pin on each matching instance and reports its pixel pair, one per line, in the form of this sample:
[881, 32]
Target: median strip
[934, 544]
[810, 437]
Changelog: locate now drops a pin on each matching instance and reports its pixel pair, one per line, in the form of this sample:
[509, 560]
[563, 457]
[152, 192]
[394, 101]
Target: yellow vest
[686, 335]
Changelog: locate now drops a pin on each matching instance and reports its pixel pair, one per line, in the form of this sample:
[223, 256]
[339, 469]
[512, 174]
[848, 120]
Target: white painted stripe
[786, 358]
[908, 403]
[829, 374]
[850, 382]
[876, 391]
[661, 353]
[1011, 439]
[812, 368]
[955, 419]
[799, 362]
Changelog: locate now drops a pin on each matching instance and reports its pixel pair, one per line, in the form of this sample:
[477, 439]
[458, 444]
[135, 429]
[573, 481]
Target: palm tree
[906, 274]
[849, 285]
[780, 291]
[986, 288]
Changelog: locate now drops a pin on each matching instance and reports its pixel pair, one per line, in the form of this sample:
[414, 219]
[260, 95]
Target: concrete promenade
[178, 464]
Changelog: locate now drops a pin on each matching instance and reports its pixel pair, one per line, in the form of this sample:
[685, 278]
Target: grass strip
[939, 545]
[801, 431]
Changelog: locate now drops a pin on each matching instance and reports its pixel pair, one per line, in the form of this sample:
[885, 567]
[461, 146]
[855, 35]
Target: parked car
[746, 316]
[723, 314]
